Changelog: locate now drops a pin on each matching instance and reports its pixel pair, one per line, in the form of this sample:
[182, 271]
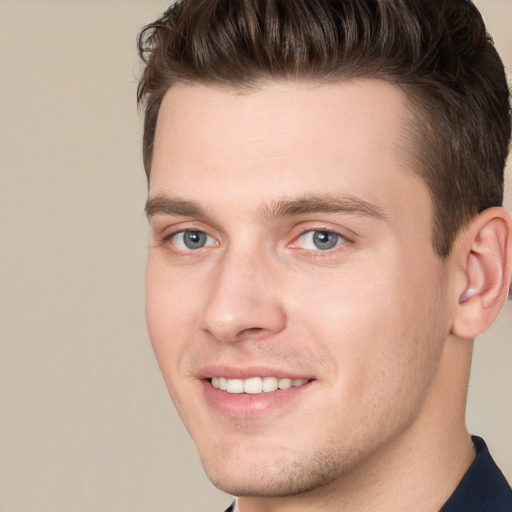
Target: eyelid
[165, 227]
[163, 234]
[344, 239]
[170, 239]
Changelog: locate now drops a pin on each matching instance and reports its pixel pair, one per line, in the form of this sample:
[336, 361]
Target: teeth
[270, 384]
[235, 386]
[284, 383]
[255, 385]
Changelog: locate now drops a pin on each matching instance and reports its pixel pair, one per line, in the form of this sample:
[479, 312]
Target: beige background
[86, 424]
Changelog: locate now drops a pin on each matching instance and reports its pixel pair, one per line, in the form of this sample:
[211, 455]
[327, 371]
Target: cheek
[171, 296]
[344, 311]
[159, 306]
[346, 321]
[168, 319]
[373, 328]
[167, 315]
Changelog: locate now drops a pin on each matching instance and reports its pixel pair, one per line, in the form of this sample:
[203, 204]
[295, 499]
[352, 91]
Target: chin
[270, 486]
[274, 476]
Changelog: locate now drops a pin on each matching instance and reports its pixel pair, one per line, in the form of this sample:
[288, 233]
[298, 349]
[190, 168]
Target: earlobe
[485, 255]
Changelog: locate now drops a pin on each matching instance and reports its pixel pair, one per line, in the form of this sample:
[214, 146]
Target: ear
[483, 253]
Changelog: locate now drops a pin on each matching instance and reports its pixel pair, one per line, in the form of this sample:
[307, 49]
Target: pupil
[325, 240]
[195, 239]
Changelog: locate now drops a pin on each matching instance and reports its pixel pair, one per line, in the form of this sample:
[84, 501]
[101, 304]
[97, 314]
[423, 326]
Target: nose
[243, 300]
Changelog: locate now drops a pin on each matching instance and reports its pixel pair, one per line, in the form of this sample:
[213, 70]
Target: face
[294, 300]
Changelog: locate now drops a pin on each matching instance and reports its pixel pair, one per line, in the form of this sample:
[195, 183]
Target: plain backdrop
[85, 422]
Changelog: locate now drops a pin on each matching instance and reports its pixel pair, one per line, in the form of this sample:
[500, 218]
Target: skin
[380, 426]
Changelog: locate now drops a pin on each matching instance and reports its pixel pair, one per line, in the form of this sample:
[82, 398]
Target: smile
[255, 385]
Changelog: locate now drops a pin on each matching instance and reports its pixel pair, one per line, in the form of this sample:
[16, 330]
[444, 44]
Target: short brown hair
[437, 51]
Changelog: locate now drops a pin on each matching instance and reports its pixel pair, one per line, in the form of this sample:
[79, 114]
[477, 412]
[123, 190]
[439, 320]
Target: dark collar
[483, 488]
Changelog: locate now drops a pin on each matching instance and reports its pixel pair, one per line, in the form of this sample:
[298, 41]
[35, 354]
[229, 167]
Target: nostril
[230, 318]
[250, 332]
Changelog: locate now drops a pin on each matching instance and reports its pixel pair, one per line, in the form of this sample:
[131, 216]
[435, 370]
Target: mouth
[255, 385]
[250, 396]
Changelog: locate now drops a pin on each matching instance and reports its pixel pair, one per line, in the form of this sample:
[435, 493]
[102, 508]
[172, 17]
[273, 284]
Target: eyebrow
[173, 206]
[323, 204]
[328, 203]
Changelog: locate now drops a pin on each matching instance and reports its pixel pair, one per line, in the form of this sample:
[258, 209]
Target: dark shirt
[482, 489]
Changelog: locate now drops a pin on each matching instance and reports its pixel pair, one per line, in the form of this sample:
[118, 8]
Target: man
[325, 181]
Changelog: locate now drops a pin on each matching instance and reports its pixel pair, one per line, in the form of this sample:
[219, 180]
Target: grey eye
[188, 240]
[320, 240]
[194, 239]
[325, 240]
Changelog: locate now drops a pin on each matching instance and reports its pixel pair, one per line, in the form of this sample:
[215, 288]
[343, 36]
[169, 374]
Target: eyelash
[167, 240]
[341, 241]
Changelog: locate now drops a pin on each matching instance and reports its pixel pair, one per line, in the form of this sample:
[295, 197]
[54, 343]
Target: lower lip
[246, 405]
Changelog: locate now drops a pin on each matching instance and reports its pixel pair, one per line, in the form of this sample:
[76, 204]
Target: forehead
[283, 139]
[278, 116]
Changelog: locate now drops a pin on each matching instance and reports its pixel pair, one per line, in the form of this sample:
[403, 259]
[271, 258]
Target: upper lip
[234, 372]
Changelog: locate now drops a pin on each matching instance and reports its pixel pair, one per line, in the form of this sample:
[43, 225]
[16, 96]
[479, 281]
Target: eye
[320, 240]
[190, 240]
